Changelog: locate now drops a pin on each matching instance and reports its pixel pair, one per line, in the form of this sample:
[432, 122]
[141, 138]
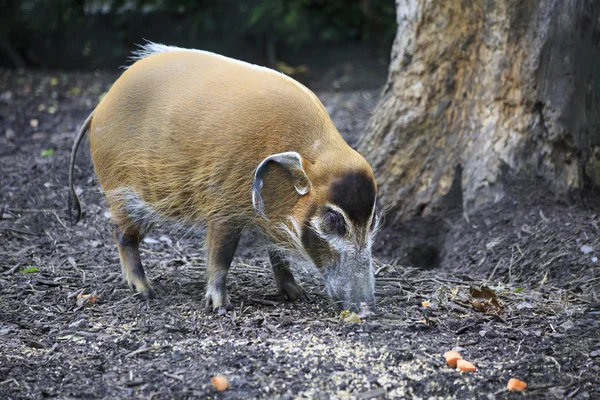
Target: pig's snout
[351, 284]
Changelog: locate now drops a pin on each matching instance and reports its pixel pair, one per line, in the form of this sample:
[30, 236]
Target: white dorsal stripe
[151, 48]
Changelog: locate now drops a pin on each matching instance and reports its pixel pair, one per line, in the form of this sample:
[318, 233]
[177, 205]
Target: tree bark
[478, 87]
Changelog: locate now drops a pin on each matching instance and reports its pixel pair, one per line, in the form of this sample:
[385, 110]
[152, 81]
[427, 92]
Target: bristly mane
[150, 48]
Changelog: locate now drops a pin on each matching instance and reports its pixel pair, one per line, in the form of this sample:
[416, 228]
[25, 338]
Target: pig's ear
[291, 162]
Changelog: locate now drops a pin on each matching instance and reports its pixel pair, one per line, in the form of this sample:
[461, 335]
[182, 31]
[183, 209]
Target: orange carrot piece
[220, 383]
[466, 366]
[516, 385]
[452, 357]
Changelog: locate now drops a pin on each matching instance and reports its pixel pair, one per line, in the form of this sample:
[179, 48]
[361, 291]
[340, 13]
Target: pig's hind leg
[284, 279]
[221, 242]
[131, 263]
[125, 206]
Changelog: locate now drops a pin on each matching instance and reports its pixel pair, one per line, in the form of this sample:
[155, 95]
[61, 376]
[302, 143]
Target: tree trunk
[478, 87]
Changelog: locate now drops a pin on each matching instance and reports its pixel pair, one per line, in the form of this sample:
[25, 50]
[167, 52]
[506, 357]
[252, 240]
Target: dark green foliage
[97, 31]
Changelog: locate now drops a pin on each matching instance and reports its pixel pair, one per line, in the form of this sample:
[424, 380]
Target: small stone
[81, 323]
[525, 304]
[567, 325]
[166, 240]
[585, 249]
[6, 96]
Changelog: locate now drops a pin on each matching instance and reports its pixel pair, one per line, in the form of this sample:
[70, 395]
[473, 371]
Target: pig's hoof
[220, 311]
[142, 287]
[219, 306]
[291, 291]
[148, 294]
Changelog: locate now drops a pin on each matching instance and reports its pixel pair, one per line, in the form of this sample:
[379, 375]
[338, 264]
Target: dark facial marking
[317, 248]
[355, 194]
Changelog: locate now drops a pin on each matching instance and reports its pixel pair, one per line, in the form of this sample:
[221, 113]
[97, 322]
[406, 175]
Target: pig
[192, 138]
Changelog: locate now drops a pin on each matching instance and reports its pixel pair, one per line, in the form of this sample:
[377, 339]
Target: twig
[519, 348]
[179, 378]
[51, 283]
[440, 280]
[15, 230]
[12, 270]
[391, 316]
[60, 221]
[494, 270]
[382, 268]
[141, 350]
[33, 210]
[145, 349]
[554, 361]
[520, 251]
[265, 302]
[554, 259]
[118, 303]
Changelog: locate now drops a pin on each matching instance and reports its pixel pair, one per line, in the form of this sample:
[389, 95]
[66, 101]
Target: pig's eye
[334, 222]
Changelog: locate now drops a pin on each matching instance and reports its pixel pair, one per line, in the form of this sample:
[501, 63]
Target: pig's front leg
[284, 278]
[221, 242]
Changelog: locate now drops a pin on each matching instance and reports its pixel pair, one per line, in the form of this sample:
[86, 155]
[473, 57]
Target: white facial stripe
[339, 210]
[348, 244]
[315, 225]
[296, 226]
[372, 215]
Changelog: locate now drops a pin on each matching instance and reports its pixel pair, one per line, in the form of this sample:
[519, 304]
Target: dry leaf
[82, 299]
[485, 300]
[349, 317]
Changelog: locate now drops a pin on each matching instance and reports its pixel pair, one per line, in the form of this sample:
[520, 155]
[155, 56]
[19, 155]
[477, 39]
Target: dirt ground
[69, 327]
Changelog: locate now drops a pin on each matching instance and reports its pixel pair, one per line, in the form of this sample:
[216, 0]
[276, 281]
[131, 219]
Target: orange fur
[185, 130]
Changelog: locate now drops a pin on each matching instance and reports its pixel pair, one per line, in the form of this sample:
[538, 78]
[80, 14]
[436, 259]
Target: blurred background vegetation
[91, 34]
